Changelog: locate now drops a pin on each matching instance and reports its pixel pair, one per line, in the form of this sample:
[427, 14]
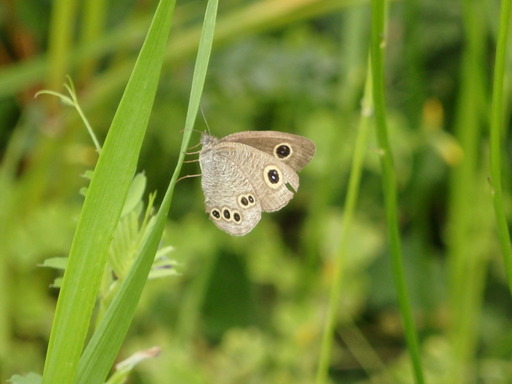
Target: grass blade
[496, 142]
[102, 207]
[389, 183]
[105, 343]
[348, 216]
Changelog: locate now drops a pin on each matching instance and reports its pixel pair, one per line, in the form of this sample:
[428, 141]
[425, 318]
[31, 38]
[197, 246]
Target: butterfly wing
[230, 199]
[240, 181]
[293, 150]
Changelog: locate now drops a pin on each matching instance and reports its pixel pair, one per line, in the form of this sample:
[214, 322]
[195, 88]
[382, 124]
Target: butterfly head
[207, 139]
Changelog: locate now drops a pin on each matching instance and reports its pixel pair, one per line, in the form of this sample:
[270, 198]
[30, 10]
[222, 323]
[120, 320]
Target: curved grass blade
[103, 205]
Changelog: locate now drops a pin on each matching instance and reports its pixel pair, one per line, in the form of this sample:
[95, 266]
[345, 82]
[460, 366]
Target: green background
[253, 309]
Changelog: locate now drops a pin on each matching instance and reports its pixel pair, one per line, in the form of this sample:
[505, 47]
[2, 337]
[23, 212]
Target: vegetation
[392, 264]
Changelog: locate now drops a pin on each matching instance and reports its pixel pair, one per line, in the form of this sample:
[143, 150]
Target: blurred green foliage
[252, 309]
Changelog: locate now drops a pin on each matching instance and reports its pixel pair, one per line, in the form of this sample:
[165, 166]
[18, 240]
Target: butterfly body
[246, 173]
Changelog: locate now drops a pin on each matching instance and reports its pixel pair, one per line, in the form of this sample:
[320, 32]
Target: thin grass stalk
[467, 262]
[496, 146]
[203, 57]
[378, 42]
[99, 354]
[348, 216]
[355, 42]
[95, 13]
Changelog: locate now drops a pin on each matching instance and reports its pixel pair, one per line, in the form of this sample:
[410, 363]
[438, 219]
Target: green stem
[496, 142]
[348, 215]
[389, 182]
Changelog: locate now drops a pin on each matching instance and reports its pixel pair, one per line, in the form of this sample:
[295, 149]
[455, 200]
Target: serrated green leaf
[135, 193]
[56, 263]
[163, 266]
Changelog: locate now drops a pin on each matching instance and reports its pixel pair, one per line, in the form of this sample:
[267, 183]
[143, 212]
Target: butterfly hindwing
[230, 199]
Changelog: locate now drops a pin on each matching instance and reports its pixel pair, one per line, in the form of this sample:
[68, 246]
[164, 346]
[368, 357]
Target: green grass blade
[105, 343]
[348, 216]
[467, 260]
[389, 183]
[102, 207]
[496, 142]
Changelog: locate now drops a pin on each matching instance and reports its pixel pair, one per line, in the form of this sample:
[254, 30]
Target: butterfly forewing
[294, 150]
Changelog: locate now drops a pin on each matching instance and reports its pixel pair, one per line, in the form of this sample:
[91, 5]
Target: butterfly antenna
[204, 118]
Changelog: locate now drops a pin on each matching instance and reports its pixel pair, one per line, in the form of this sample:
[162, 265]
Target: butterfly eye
[283, 151]
[272, 176]
[226, 214]
[215, 214]
[246, 200]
